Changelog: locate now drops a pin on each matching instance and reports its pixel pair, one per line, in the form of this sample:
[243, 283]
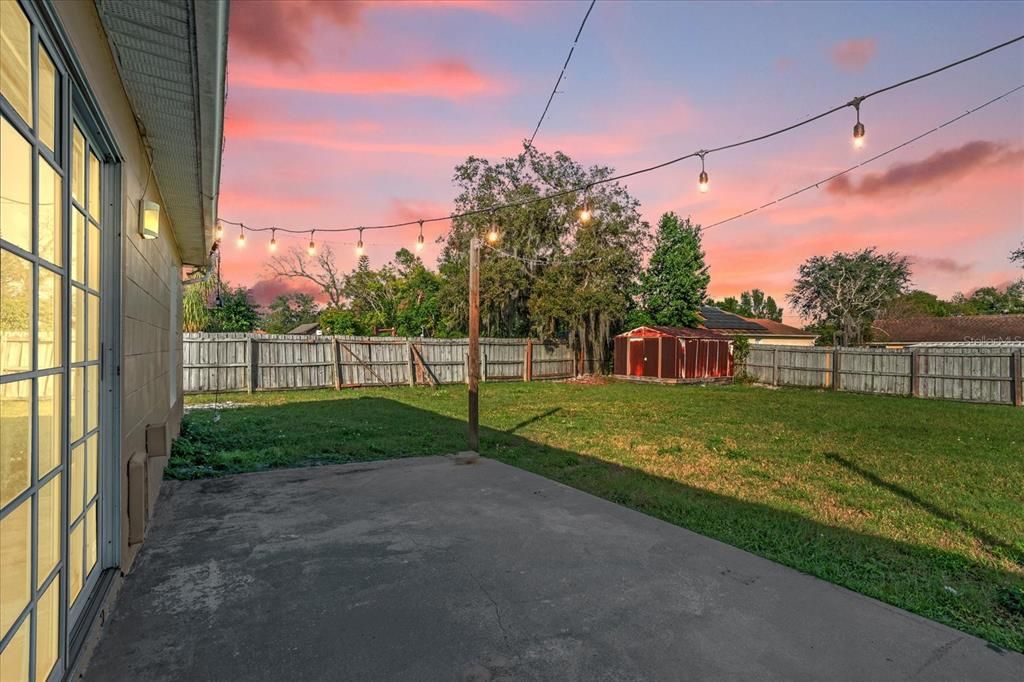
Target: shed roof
[941, 329]
[682, 332]
[774, 328]
[306, 328]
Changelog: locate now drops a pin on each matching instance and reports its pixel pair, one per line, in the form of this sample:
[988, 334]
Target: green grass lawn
[917, 503]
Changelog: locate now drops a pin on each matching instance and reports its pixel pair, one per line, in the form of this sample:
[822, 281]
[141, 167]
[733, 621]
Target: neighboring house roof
[732, 324]
[683, 332]
[943, 329]
[716, 318]
[172, 56]
[308, 328]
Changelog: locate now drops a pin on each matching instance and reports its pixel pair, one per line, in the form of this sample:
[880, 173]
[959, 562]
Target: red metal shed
[673, 354]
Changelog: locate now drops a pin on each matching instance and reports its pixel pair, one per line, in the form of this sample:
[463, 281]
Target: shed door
[636, 357]
[651, 357]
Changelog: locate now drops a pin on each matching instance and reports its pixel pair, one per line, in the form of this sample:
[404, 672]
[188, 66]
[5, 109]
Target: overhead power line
[855, 103]
[561, 75]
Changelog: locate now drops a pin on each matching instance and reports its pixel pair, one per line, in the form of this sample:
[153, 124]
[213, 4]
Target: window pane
[77, 325]
[49, 213]
[94, 187]
[78, 166]
[14, 659]
[92, 348]
[15, 186]
[49, 529]
[15, 554]
[92, 397]
[76, 491]
[75, 548]
[47, 624]
[94, 257]
[49, 407]
[77, 400]
[91, 466]
[15, 439]
[77, 246]
[91, 541]
[47, 98]
[15, 313]
[15, 59]
[48, 334]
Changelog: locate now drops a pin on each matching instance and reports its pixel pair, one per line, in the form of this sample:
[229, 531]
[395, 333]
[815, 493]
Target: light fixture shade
[149, 219]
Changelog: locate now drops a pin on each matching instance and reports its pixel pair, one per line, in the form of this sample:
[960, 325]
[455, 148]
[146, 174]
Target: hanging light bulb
[492, 234]
[858, 129]
[702, 179]
[241, 236]
[586, 213]
[311, 250]
[273, 239]
[419, 239]
[359, 244]
[218, 232]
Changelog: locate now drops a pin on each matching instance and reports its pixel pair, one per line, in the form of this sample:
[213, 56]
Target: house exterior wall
[150, 270]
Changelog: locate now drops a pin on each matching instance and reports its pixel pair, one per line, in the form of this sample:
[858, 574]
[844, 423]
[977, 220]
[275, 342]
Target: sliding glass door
[51, 248]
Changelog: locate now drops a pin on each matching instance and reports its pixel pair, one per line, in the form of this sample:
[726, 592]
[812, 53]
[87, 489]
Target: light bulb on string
[419, 239]
[586, 213]
[311, 250]
[218, 232]
[359, 244]
[241, 236]
[702, 179]
[858, 127]
[273, 240]
[492, 234]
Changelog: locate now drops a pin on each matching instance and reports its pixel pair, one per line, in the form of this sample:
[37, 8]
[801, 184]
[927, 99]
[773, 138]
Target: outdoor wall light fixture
[419, 239]
[149, 219]
[702, 179]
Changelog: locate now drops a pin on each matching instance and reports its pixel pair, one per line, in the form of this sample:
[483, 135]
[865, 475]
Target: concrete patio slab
[423, 570]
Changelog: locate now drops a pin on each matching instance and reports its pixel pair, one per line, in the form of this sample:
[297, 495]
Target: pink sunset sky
[341, 114]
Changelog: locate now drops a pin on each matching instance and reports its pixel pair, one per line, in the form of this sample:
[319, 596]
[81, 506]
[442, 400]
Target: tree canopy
[754, 303]
[848, 291]
[675, 284]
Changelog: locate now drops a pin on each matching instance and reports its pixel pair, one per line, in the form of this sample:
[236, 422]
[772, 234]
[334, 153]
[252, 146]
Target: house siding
[150, 296]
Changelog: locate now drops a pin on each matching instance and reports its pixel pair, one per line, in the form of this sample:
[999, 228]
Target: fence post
[775, 366]
[409, 363]
[336, 363]
[835, 368]
[250, 364]
[1016, 384]
[915, 373]
[528, 361]
[483, 367]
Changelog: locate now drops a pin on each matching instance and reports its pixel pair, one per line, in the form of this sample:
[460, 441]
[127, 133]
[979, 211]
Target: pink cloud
[279, 31]
[451, 79]
[939, 168]
[854, 54]
[946, 266]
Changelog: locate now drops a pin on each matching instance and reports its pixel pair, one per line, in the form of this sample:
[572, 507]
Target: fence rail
[254, 362]
[973, 374]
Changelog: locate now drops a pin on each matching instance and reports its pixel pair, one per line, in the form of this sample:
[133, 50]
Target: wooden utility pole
[474, 345]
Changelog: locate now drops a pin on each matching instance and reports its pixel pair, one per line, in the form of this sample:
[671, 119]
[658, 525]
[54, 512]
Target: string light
[359, 244]
[218, 232]
[273, 239]
[311, 250]
[702, 179]
[858, 127]
[241, 236]
[492, 234]
[419, 239]
[586, 213]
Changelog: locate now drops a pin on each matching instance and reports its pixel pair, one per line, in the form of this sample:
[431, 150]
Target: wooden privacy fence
[251, 362]
[974, 374]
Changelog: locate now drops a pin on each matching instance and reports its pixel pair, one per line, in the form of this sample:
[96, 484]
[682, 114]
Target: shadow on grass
[944, 586]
